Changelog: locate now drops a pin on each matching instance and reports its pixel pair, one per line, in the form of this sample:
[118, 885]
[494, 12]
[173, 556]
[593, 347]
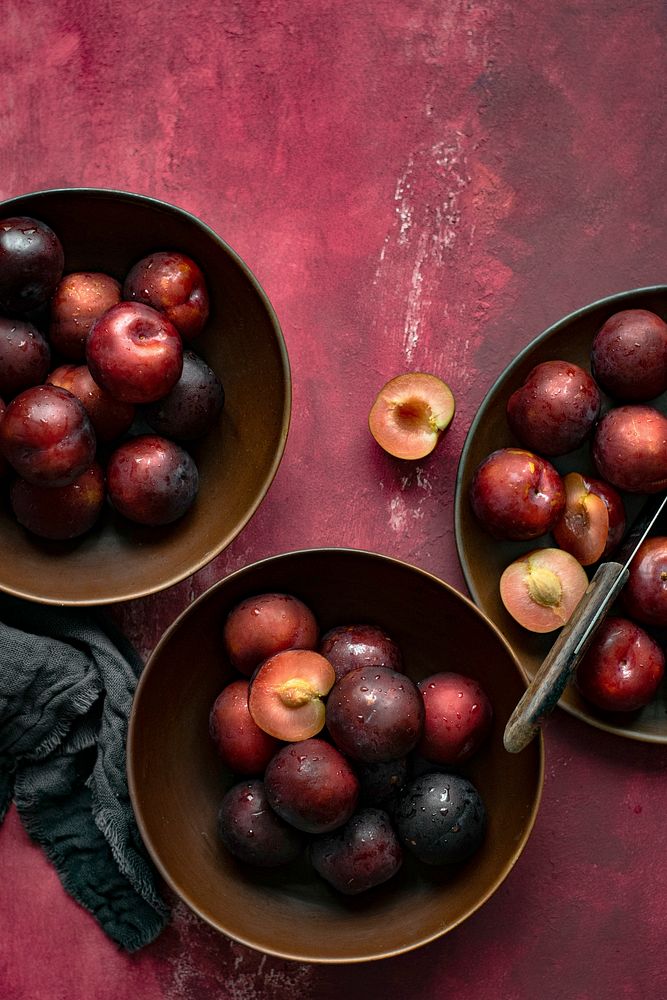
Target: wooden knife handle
[548, 684]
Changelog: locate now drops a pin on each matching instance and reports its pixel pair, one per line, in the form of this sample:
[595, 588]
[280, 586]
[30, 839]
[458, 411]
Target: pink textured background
[416, 184]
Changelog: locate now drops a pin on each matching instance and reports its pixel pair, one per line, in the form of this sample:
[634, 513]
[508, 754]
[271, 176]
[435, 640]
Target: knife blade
[551, 679]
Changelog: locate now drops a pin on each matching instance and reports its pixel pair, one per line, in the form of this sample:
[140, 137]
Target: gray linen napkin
[67, 678]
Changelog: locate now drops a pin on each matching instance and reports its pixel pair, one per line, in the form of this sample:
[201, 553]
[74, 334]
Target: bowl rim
[272, 470]
[617, 298]
[133, 780]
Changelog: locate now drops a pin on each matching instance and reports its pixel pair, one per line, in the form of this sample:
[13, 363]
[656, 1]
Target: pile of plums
[99, 394]
[337, 753]
[518, 494]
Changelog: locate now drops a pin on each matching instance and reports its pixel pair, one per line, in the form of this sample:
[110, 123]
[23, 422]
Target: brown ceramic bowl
[109, 231]
[483, 559]
[176, 779]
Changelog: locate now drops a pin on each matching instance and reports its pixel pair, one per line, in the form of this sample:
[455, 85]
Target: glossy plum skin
[110, 417]
[375, 714]
[629, 355]
[60, 512]
[457, 720]
[242, 745]
[440, 818]
[555, 409]
[630, 448]
[312, 786]
[191, 408]
[349, 646]
[516, 495]
[25, 356]
[46, 436]
[4, 467]
[622, 668]
[360, 855]
[173, 284]
[261, 626]
[151, 480]
[31, 264]
[79, 300]
[135, 353]
[252, 831]
[645, 593]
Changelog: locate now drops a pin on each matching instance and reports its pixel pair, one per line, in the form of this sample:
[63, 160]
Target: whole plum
[265, 624]
[516, 494]
[645, 592]
[252, 832]
[152, 480]
[60, 512]
[360, 855]
[622, 668]
[174, 284]
[25, 356]
[31, 264]
[110, 417]
[349, 646]
[555, 409]
[190, 409]
[458, 717]
[440, 818]
[79, 300]
[311, 785]
[630, 448]
[629, 355]
[242, 745]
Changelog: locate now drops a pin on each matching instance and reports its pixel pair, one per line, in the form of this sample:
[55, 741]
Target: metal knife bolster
[556, 670]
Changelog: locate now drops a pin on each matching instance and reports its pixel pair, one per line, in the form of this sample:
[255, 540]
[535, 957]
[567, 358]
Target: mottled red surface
[417, 184]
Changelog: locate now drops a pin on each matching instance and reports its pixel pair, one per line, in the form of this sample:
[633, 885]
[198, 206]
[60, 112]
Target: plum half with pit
[622, 668]
[265, 624]
[630, 448]
[555, 409]
[46, 436]
[31, 264]
[311, 785]
[541, 589]
[109, 416]
[287, 692]
[135, 353]
[189, 410]
[629, 355]
[174, 284]
[252, 832]
[349, 646]
[583, 528]
[25, 356]
[516, 494]
[79, 300]
[242, 745]
[151, 480]
[360, 855]
[440, 818]
[375, 714]
[60, 512]
[645, 592]
[457, 720]
[410, 414]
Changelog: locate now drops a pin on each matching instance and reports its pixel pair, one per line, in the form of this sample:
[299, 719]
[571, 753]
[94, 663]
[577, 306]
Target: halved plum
[410, 413]
[286, 694]
[542, 588]
[583, 527]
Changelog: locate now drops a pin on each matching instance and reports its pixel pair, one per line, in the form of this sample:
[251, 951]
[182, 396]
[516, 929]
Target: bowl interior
[109, 231]
[176, 779]
[483, 559]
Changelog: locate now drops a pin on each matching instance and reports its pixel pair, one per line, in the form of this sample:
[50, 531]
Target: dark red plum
[645, 593]
[382, 781]
[312, 786]
[517, 495]
[457, 720]
[555, 409]
[440, 818]
[360, 855]
[31, 264]
[622, 668]
[4, 467]
[60, 512]
[349, 646]
[135, 353]
[151, 480]
[25, 356]
[375, 714]
[110, 417]
[191, 408]
[46, 436]
[630, 448]
[173, 284]
[251, 830]
[242, 745]
[629, 355]
[261, 626]
[80, 299]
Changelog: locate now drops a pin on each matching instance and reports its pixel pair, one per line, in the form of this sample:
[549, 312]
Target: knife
[548, 684]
